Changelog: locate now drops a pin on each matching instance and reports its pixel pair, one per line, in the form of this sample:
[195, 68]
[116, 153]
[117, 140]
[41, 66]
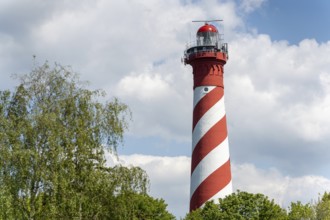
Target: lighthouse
[210, 161]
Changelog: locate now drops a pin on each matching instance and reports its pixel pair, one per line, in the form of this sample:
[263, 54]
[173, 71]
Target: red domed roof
[207, 28]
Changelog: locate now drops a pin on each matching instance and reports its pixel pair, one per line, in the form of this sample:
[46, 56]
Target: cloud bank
[170, 179]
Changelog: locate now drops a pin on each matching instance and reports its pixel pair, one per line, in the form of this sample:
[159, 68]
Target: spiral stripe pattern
[210, 167]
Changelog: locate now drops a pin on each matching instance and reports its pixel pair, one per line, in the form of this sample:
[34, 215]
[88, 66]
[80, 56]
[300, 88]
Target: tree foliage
[322, 207]
[298, 211]
[53, 135]
[243, 205]
[139, 206]
[239, 205]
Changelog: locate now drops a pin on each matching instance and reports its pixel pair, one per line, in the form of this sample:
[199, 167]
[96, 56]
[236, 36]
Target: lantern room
[207, 40]
[207, 35]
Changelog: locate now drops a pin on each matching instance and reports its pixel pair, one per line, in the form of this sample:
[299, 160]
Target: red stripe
[213, 137]
[211, 186]
[206, 103]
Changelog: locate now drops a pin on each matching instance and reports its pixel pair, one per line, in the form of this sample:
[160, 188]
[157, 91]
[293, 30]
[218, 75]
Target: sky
[277, 82]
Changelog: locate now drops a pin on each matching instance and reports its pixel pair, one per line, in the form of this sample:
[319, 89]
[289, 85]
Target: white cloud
[250, 5]
[277, 99]
[159, 100]
[144, 87]
[282, 188]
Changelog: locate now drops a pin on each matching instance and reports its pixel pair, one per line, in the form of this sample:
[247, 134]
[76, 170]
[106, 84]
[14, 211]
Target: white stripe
[208, 120]
[212, 161]
[199, 93]
[227, 190]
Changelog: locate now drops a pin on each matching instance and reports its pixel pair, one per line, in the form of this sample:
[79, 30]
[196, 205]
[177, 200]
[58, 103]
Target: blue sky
[277, 82]
[293, 20]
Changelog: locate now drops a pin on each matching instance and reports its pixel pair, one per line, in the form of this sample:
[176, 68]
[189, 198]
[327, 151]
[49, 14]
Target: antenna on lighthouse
[206, 21]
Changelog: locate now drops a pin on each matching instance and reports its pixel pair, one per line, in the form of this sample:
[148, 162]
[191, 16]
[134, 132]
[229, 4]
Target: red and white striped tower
[210, 165]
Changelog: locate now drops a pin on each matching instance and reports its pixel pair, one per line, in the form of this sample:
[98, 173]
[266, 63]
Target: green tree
[53, 134]
[137, 206]
[298, 211]
[209, 211]
[240, 205]
[322, 207]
